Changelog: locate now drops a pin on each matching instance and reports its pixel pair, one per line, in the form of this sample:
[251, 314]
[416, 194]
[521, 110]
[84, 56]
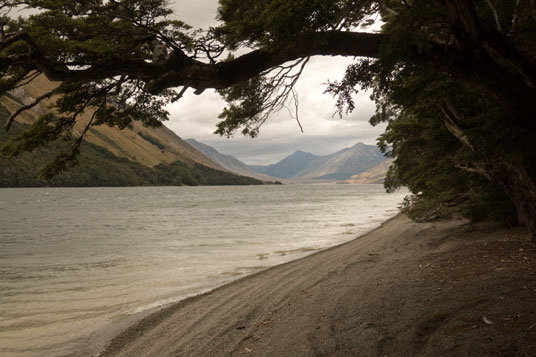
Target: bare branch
[391, 11]
[515, 17]
[451, 120]
[76, 146]
[27, 79]
[296, 101]
[474, 167]
[495, 15]
[27, 107]
[179, 96]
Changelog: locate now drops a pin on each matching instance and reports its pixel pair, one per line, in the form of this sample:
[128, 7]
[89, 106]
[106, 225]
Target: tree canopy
[454, 79]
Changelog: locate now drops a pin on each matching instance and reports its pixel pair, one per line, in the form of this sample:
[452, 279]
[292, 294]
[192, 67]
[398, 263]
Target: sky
[324, 133]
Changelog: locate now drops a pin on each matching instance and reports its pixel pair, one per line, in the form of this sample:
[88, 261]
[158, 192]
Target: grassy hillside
[147, 146]
[375, 174]
[100, 167]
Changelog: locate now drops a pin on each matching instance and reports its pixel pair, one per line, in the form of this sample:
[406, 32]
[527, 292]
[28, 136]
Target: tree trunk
[510, 174]
[512, 177]
[519, 186]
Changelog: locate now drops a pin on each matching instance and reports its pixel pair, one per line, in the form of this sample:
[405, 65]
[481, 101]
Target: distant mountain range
[228, 162]
[149, 156]
[341, 165]
[303, 166]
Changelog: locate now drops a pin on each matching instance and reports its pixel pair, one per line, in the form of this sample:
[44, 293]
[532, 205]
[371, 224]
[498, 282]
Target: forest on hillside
[99, 167]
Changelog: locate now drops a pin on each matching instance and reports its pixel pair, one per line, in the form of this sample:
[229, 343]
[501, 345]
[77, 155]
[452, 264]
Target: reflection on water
[73, 260]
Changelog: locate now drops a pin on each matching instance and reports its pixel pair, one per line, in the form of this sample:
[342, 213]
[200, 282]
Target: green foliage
[179, 173]
[247, 102]
[98, 167]
[487, 201]
[99, 36]
[152, 140]
[412, 97]
[454, 81]
[258, 23]
[428, 157]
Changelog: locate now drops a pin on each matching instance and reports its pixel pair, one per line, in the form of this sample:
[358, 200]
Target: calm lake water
[74, 261]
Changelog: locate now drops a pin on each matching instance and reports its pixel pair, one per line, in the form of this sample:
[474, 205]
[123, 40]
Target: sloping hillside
[375, 174]
[99, 167]
[346, 163]
[147, 146]
[228, 162]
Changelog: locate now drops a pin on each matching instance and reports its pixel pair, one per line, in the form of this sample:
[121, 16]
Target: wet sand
[442, 288]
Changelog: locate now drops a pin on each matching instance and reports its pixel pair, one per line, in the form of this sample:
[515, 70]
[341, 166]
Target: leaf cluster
[259, 23]
[93, 39]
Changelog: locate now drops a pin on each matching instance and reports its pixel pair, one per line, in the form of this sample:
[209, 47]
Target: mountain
[289, 167]
[375, 174]
[136, 156]
[228, 162]
[346, 163]
[147, 146]
[99, 167]
[306, 167]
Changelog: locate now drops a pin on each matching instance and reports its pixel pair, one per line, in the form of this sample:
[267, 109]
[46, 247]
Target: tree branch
[515, 17]
[179, 69]
[27, 107]
[495, 15]
[474, 168]
[451, 120]
[224, 74]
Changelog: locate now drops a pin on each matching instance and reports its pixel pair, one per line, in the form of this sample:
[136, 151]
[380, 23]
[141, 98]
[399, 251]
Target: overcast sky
[196, 116]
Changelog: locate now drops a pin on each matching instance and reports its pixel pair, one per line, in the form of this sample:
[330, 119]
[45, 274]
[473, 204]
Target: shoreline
[101, 340]
[404, 288]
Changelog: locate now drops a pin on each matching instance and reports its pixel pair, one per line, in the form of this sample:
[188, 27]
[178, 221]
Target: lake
[75, 261]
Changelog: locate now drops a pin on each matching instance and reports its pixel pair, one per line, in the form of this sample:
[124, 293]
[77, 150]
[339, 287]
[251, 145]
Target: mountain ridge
[340, 165]
[145, 145]
[228, 162]
[302, 166]
[374, 175]
[134, 156]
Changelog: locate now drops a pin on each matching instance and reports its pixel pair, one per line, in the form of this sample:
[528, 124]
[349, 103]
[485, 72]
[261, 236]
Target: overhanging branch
[221, 75]
[181, 70]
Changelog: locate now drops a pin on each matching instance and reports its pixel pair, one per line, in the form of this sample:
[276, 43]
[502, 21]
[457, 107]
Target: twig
[515, 17]
[495, 15]
[78, 142]
[296, 104]
[27, 107]
[179, 96]
[26, 80]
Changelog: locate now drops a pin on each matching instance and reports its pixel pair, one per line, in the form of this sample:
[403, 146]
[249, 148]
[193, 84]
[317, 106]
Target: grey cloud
[197, 13]
[196, 116]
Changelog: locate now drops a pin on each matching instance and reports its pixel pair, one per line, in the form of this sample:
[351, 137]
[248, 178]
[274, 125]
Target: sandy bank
[441, 288]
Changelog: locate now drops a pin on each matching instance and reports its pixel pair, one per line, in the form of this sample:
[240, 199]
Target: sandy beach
[444, 288]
